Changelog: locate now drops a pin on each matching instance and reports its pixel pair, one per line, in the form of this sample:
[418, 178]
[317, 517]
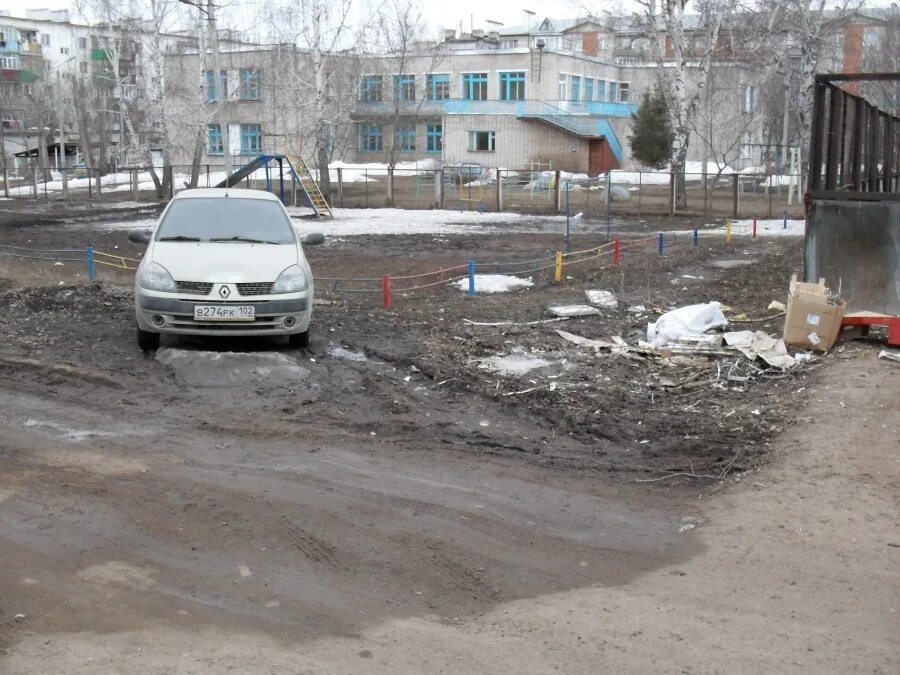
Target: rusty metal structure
[853, 194]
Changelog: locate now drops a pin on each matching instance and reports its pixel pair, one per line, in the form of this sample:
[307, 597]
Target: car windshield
[226, 219]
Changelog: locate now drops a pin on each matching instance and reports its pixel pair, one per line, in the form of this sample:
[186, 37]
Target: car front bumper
[174, 313]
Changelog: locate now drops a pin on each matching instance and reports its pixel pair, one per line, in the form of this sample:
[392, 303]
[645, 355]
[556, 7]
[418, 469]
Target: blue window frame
[405, 87]
[211, 85]
[482, 141]
[371, 138]
[251, 85]
[434, 138]
[214, 140]
[575, 89]
[601, 90]
[251, 139]
[588, 89]
[438, 85]
[371, 89]
[614, 91]
[475, 86]
[405, 137]
[512, 86]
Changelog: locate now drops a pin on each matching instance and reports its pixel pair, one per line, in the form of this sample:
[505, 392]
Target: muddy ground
[381, 473]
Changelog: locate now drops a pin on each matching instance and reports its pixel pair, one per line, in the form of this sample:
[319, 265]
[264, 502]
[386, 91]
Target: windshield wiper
[179, 237]
[247, 240]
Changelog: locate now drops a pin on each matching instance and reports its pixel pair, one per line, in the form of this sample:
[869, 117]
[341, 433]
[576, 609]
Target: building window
[434, 137]
[83, 66]
[613, 91]
[563, 87]
[747, 146]
[370, 138]
[509, 44]
[45, 40]
[576, 89]
[251, 86]
[512, 86]
[601, 90]
[405, 137]
[748, 103]
[82, 43]
[438, 87]
[372, 89]
[9, 62]
[481, 141]
[588, 89]
[251, 139]
[214, 140]
[475, 86]
[63, 50]
[404, 87]
[624, 92]
[211, 93]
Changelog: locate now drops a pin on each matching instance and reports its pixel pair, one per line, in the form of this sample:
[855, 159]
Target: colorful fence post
[386, 290]
[662, 243]
[557, 271]
[696, 237]
[471, 277]
[727, 231]
[91, 267]
[754, 228]
[617, 253]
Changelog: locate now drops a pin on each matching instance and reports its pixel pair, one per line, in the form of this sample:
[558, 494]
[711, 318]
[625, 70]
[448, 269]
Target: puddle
[229, 369]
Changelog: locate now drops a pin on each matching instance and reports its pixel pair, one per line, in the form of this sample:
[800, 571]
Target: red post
[617, 253]
[386, 290]
[754, 228]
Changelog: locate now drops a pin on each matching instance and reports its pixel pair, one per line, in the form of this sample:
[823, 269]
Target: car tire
[147, 341]
[298, 340]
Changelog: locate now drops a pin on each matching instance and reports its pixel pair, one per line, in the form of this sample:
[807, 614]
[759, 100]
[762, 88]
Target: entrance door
[600, 157]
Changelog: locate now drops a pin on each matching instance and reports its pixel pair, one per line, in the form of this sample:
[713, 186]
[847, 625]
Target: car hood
[226, 262]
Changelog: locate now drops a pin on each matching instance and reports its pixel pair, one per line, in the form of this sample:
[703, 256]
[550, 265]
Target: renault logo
[224, 292]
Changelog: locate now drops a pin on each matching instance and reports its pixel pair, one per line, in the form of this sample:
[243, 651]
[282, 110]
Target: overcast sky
[437, 13]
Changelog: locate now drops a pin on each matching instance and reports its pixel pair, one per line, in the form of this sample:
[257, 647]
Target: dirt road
[382, 502]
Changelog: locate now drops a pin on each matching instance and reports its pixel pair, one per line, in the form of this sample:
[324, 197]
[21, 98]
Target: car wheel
[299, 339]
[147, 341]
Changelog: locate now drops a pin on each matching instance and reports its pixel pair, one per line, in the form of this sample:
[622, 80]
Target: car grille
[194, 287]
[258, 288]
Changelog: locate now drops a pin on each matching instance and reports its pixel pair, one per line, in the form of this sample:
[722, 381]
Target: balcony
[369, 109]
[363, 109]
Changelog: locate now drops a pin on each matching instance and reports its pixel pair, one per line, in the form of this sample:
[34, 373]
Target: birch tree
[323, 30]
[683, 51]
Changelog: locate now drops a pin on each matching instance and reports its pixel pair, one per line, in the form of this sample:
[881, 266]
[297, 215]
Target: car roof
[216, 193]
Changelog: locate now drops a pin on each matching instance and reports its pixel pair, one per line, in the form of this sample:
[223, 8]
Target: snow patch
[494, 283]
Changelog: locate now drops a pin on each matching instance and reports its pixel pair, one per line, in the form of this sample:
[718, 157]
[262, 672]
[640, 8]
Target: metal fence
[466, 187]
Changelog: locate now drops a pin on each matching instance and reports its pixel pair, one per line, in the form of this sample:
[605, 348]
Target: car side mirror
[314, 239]
[140, 236]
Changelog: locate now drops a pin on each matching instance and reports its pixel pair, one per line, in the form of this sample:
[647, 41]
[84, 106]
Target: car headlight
[155, 277]
[292, 280]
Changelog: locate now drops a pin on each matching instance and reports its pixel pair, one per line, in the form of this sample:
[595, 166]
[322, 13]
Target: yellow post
[557, 275]
[727, 231]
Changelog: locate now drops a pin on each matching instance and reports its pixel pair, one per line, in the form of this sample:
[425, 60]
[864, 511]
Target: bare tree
[683, 50]
[321, 29]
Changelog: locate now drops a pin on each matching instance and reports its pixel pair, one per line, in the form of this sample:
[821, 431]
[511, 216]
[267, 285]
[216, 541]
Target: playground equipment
[305, 181]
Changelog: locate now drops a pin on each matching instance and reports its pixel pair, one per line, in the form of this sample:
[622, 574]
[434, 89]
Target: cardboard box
[813, 318]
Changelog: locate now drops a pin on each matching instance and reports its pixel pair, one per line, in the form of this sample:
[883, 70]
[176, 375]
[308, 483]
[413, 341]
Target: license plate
[224, 312]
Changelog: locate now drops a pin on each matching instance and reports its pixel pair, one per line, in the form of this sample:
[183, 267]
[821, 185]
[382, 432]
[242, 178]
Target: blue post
[91, 268]
[568, 217]
[661, 243]
[268, 179]
[696, 237]
[471, 277]
[785, 220]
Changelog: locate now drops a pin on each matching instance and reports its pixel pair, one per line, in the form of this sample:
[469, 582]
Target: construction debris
[604, 299]
[757, 344]
[692, 320]
[573, 310]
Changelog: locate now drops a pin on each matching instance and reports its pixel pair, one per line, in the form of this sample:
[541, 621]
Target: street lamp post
[61, 115]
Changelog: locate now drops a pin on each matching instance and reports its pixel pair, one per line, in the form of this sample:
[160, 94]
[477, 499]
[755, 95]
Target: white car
[223, 262]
